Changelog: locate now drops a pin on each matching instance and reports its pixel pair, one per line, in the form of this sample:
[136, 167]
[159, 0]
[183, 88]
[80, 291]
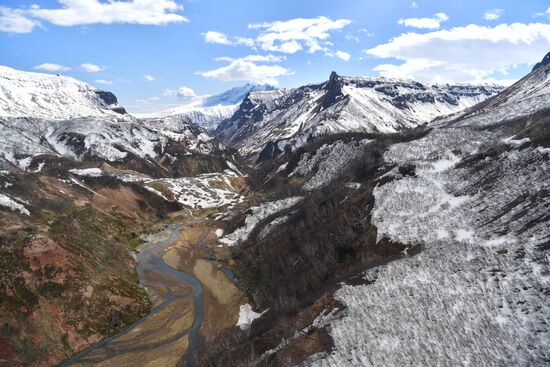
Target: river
[166, 328]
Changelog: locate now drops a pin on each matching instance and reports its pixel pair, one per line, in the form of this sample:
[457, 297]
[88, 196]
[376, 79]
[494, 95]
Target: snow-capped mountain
[44, 115]
[54, 97]
[206, 117]
[209, 111]
[235, 95]
[282, 119]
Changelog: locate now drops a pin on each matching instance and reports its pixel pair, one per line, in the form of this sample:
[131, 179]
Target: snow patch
[247, 316]
[87, 172]
[10, 203]
[259, 213]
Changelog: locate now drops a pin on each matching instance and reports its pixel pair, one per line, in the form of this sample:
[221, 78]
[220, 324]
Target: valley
[357, 221]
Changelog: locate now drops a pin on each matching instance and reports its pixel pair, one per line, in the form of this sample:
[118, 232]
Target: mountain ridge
[209, 111]
[54, 97]
[291, 117]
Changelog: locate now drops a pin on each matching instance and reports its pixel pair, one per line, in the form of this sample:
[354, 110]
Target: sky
[157, 54]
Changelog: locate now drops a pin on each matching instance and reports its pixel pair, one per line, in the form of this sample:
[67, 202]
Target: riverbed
[170, 330]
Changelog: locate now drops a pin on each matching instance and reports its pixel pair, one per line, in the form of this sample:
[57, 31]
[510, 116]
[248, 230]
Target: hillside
[54, 97]
[368, 244]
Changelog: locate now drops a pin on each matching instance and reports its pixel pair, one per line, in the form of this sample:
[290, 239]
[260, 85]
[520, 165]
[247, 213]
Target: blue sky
[155, 54]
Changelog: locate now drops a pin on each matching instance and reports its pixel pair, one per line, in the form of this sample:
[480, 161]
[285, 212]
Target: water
[150, 262]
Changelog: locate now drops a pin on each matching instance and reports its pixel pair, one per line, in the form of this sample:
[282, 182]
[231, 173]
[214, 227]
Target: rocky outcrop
[111, 101]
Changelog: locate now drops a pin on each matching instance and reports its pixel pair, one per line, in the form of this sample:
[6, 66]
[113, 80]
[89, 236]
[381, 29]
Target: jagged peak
[334, 90]
[545, 61]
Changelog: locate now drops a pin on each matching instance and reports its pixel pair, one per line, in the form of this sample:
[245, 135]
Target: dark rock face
[119, 109]
[107, 97]
[334, 90]
[271, 150]
[545, 61]
[74, 141]
[110, 100]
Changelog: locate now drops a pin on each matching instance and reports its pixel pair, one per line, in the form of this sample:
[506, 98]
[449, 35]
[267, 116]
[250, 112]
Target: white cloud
[254, 58]
[339, 54]
[149, 78]
[470, 53]
[14, 21]
[52, 67]
[366, 32]
[429, 23]
[244, 41]
[182, 93]
[351, 37]
[91, 68]
[247, 69]
[82, 12]
[414, 4]
[222, 39]
[103, 81]
[493, 14]
[186, 92]
[296, 34]
[216, 37]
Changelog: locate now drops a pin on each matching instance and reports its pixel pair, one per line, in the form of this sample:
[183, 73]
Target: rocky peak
[110, 100]
[545, 61]
[334, 90]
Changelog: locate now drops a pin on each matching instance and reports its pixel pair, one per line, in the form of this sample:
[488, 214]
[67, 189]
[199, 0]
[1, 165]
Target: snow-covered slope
[196, 112]
[448, 228]
[25, 140]
[528, 95]
[478, 204]
[235, 95]
[51, 115]
[477, 293]
[288, 118]
[209, 111]
[54, 97]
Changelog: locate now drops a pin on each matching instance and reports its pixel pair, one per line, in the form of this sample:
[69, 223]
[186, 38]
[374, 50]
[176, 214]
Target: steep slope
[426, 247]
[54, 97]
[526, 96]
[209, 111]
[275, 121]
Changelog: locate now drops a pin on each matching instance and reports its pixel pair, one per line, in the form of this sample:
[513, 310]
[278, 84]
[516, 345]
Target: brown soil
[222, 298]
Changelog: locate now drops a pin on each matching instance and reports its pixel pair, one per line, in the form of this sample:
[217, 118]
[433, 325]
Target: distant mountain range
[209, 111]
[272, 121]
